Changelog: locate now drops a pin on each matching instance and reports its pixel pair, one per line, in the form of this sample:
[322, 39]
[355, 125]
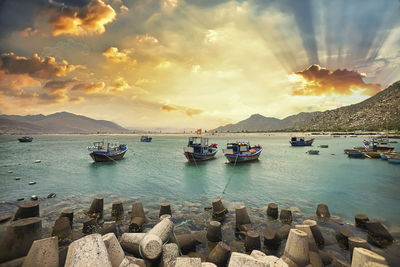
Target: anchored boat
[242, 152]
[313, 152]
[300, 141]
[101, 152]
[25, 139]
[145, 138]
[198, 149]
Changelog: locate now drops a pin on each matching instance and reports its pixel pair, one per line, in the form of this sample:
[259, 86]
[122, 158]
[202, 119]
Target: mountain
[62, 122]
[379, 112]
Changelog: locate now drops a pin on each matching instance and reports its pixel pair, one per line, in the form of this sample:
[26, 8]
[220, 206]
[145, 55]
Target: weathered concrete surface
[114, 249]
[88, 251]
[44, 252]
[362, 256]
[297, 248]
[242, 260]
[170, 253]
[188, 262]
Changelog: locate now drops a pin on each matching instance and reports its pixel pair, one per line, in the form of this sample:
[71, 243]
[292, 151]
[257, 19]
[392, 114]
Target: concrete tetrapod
[219, 255]
[44, 252]
[319, 239]
[214, 233]
[117, 211]
[27, 210]
[69, 214]
[242, 218]
[357, 242]
[114, 249]
[362, 256]
[297, 248]
[169, 254]
[96, 208]
[272, 210]
[218, 210]
[88, 251]
[252, 241]
[311, 241]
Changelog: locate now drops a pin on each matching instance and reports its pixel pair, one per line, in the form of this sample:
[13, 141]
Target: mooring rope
[230, 178]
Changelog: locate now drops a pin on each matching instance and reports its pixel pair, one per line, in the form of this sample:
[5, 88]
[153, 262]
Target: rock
[96, 209]
[242, 218]
[323, 211]
[62, 228]
[361, 220]
[18, 238]
[361, 256]
[170, 253]
[165, 208]
[10, 172]
[51, 195]
[32, 183]
[17, 178]
[214, 233]
[283, 232]
[69, 214]
[186, 242]
[114, 249]
[89, 226]
[137, 223]
[5, 218]
[319, 239]
[188, 262]
[378, 235]
[88, 251]
[325, 257]
[218, 210]
[315, 259]
[297, 248]
[242, 260]
[311, 242]
[20, 199]
[44, 252]
[34, 197]
[272, 210]
[108, 227]
[286, 216]
[271, 238]
[117, 211]
[357, 242]
[219, 255]
[343, 237]
[252, 241]
[38, 161]
[26, 210]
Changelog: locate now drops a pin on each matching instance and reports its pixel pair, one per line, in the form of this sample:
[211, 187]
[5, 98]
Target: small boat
[300, 141]
[145, 138]
[241, 152]
[25, 139]
[198, 149]
[101, 152]
[323, 146]
[393, 142]
[393, 158]
[379, 144]
[356, 154]
[313, 152]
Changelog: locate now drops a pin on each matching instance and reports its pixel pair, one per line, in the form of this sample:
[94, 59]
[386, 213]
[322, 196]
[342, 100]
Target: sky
[194, 63]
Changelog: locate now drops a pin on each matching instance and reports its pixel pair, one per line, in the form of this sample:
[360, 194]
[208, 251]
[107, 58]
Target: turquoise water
[158, 170]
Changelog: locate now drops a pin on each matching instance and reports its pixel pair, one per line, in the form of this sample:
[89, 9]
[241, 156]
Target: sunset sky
[194, 63]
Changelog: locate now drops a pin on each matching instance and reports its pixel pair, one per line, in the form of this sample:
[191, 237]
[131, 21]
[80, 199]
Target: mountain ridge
[56, 123]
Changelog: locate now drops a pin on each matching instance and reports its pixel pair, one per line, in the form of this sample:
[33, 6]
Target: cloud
[56, 85]
[88, 20]
[35, 67]
[146, 39]
[89, 87]
[316, 81]
[120, 84]
[188, 111]
[124, 9]
[115, 55]
[28, 32]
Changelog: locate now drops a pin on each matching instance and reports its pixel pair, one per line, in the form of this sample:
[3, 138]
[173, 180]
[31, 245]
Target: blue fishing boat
[145, 138]
[198, 149]
[241, 152]
[101, 152]
[355, 154]
[301, 141]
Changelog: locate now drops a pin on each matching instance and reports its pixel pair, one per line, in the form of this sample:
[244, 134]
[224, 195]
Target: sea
[158, 171]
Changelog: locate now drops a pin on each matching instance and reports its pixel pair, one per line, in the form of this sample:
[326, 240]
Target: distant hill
[379, 112]
[62, 122]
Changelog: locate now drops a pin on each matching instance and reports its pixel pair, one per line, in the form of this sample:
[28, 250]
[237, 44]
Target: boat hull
[104, 157]
[394, 160]
[237, 158]
[302, 143]
[356, 155]
[192, 157]
[24, 140]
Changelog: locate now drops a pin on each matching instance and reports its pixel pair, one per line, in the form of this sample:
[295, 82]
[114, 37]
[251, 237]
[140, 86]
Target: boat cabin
[198, 144]
[297, 139]
[237, 147]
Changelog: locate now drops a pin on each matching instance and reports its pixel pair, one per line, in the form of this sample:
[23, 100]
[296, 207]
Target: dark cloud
[89, 87]
[188, 111]
[167, 107]
[54, 85]
[36, 67]
[321, 81]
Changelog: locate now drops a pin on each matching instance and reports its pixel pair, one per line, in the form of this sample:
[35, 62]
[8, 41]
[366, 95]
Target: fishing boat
[355, 154]
[379, 144]
[241, 152]
[198, 149]
[313, 152]
[300, 141]
[145, 138]
[323, 146]
[25, 139]
[101, 152]
[393, 157]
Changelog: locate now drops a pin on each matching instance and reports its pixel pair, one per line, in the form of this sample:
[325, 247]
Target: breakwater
[199, 228]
